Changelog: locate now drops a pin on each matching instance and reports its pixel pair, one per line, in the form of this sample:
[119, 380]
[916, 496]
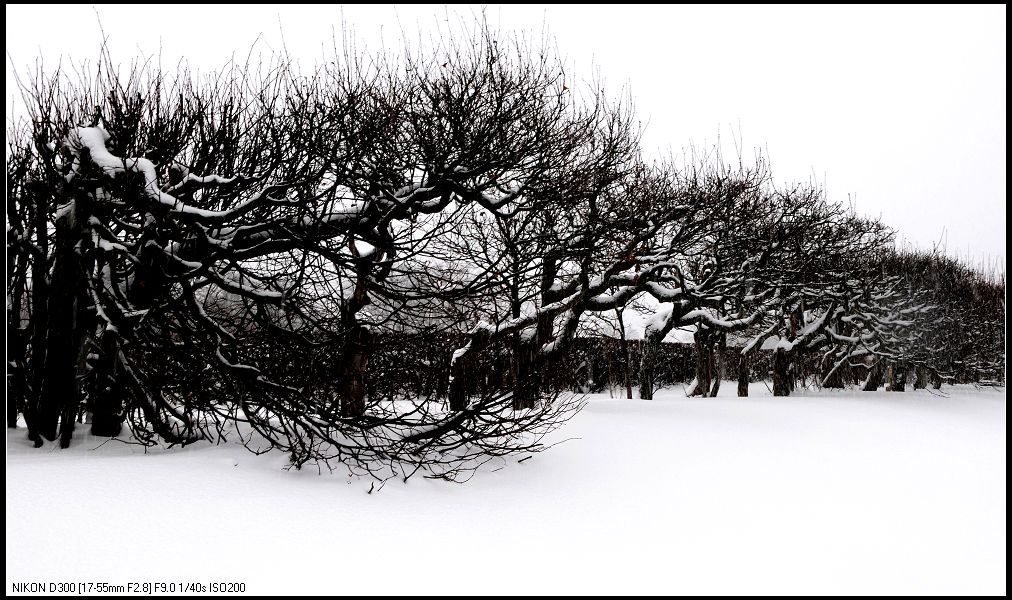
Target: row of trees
[185, 255]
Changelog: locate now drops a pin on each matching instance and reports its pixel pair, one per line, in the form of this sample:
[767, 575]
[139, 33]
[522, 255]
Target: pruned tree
[192, 258]
[818, 246]
[187, 256]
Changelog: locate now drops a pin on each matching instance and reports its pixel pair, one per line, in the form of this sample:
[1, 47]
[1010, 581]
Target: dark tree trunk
[358, 344]
[936, 380]
[65, 336]
[899, 379]
[459, 377]
[512, 376]
[718, 363]
[460, 381]
[744, 364]
[357, 349]
[704, 362]
[40, 317]
[648, 357]
[783, 369]
[107, 397]
[66, 326]
[648, 366]
[921, 382]
[874, 380]
[71, 410]
[531, 366]
[781, 373]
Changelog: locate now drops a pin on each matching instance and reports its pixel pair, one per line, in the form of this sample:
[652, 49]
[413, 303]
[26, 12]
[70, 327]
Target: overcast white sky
[902, 108]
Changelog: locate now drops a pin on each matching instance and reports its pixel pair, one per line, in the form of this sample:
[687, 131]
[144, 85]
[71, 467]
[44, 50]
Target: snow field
[832, 492]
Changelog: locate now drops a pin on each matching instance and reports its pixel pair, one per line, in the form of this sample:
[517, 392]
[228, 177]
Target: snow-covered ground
[828, 492]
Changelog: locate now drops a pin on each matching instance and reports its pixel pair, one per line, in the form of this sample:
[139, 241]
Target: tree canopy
[195, 256]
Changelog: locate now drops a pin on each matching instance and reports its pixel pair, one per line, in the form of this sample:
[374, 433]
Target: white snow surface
[831, 492]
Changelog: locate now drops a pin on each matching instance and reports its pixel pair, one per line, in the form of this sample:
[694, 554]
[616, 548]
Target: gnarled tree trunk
[107, 397]
[874, 380]
[744, 365]
[781, 373]
[460, 374]
[718, 363]
[648, 360]
[66, 328]
[357, 348]
[704, 361]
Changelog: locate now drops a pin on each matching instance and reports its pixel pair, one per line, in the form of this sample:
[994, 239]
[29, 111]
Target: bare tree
[211, 239]
[263, 252]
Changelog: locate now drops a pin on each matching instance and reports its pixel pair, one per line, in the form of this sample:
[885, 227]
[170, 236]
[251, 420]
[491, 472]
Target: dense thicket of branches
[388, 262]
